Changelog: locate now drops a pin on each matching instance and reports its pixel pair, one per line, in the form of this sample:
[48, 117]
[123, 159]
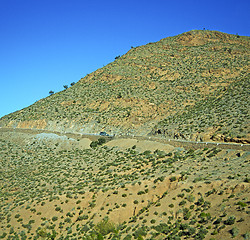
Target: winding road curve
[173, 142]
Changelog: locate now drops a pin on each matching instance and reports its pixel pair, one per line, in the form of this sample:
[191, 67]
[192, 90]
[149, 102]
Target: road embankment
[174, 142]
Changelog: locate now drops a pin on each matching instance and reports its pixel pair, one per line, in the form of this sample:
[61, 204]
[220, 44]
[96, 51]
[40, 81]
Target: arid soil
[193, 86]
[56, 187]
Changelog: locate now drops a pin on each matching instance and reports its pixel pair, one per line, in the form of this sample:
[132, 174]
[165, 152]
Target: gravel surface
[52, 136]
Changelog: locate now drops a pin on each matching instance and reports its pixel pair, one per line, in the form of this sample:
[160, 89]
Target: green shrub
[57, 208]
[234, 231]
[191, 231]
[101, 141]
[172, 179]
[162, 227]
[82, 217]
[242, 204]
[54, 218]
[183, 202]
[246, 236]
[94, 144]
[97, 143]
[68, 220]
[140, 193]
[201, 234]
[218, 220]
[105, 227]
[186, 214]
[181, 195]
[42, 233]
[230, 220]
[147, 152]
[142, 231]
[190, 198]
[197, 179]
[128, 237]
[204, 217]
[247, 180]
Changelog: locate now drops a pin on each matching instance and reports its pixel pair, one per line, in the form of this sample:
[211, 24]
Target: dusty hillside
[54, 187]
[191, 86]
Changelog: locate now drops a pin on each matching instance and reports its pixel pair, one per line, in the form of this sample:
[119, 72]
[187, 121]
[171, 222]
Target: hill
[192, 86]
[55, 187]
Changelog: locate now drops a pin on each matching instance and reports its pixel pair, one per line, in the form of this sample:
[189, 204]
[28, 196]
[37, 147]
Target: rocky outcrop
[222, 138]
[177, 88]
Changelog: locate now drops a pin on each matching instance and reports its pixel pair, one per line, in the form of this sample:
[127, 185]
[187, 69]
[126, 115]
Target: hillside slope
[54, 187]
[192, 86]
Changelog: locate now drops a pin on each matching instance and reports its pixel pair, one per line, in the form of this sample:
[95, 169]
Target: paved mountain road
[173, 142]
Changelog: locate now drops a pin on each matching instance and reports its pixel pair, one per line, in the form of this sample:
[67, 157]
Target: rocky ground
[59, 187]
[193, 86]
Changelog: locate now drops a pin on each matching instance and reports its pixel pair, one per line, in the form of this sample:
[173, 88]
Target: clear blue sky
[45, 44]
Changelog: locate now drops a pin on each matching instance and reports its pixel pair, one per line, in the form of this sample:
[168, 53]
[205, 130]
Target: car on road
[103, 134]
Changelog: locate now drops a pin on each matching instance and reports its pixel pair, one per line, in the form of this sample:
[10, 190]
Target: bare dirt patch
[141, 146]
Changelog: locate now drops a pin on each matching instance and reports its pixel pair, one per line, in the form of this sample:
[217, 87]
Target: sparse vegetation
[172, 84]
[65, 186]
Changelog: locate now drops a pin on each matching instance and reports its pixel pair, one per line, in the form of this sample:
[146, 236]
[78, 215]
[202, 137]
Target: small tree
[51, 92]
[99, 142]
[65, 87]
[72, 84]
